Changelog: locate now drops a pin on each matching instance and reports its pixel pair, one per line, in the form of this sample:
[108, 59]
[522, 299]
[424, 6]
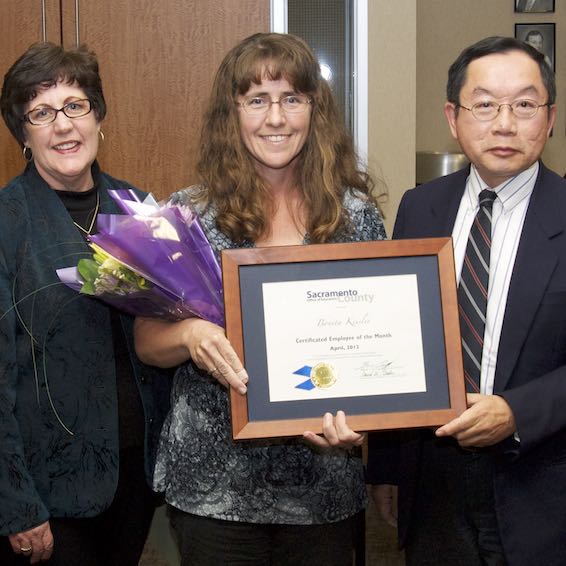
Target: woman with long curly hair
[277, 167]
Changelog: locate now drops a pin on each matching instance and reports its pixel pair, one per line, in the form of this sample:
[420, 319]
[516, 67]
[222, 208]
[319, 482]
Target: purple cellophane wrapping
[167, 246]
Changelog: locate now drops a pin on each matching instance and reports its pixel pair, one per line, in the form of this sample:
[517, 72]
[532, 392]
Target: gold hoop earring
[101, 135]
[27, 156]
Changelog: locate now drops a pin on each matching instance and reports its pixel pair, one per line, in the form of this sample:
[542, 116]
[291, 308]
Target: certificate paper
[343, 337]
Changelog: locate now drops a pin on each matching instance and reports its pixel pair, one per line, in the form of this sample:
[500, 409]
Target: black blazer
[58, 399]
[530, 479]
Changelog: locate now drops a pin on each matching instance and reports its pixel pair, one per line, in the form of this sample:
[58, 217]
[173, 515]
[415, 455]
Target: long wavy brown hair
[327, 164]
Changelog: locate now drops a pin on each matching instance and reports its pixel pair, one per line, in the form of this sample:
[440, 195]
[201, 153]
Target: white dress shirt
[508, 217]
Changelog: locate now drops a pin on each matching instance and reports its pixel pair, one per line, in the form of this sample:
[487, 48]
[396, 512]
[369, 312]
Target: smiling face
[274, 139]
[505, 146]
[64, 150]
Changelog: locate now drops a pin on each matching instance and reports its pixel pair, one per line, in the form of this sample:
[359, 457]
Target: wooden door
[157, 62]
[23, 23]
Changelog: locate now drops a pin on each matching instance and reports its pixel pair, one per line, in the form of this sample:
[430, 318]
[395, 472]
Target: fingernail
[242, 390]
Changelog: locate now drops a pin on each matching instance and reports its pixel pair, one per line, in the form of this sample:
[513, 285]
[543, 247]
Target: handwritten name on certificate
[346, 337]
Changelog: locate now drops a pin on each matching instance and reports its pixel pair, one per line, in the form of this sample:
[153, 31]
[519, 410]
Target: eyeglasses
[486, 111]
[45, 114]
[292, 104]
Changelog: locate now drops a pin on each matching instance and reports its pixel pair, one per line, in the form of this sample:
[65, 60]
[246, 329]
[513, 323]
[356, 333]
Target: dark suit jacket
[58, 398]
[530, 480]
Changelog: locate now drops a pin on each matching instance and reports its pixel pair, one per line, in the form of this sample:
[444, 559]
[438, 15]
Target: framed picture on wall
[534, 6]
[541, 37]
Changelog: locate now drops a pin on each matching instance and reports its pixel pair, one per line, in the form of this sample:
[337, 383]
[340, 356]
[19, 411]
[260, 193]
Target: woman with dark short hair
[76, 404]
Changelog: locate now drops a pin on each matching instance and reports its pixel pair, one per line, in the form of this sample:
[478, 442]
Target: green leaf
[88, 289]
[88, 270]
[99, 258]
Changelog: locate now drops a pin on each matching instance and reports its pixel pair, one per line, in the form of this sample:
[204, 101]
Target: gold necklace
[88, 230]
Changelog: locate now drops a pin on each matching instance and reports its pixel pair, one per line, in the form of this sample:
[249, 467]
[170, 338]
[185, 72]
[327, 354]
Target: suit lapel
[445, 213]
[444, 207]
[48, 215]
[534, 265]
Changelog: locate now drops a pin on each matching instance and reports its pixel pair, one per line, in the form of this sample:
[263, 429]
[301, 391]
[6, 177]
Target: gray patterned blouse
[203, 472]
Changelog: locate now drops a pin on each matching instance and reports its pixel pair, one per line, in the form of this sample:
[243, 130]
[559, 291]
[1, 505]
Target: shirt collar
[510, 193]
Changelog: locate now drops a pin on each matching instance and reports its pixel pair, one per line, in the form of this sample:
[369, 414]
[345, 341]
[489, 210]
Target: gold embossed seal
[323, 375]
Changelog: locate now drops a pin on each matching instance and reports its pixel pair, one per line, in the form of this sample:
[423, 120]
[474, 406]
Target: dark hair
[327, 164]
[490, 46]
[532, 33]
[42, 66]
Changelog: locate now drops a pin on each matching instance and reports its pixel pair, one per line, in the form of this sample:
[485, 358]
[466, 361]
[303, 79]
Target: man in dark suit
[490, 486]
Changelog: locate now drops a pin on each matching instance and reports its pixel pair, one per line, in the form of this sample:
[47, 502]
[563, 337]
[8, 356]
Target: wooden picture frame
[286, 282]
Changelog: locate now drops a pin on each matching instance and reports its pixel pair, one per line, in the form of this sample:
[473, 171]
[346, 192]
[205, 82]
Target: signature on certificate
[377, 369]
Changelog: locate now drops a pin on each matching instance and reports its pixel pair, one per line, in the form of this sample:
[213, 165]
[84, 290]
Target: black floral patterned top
[203, 472]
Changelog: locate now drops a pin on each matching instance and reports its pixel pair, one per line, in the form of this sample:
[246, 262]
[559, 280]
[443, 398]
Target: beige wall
[411, 45]
[444, 28]
[392, 94]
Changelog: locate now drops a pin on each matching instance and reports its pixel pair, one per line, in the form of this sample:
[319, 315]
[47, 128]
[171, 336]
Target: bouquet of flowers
[152, 261]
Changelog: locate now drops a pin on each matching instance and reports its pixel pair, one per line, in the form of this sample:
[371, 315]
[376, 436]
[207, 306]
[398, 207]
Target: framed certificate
[370, 328]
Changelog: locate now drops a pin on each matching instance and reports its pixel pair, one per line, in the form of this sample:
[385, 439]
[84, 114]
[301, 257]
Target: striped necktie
[472, 291]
